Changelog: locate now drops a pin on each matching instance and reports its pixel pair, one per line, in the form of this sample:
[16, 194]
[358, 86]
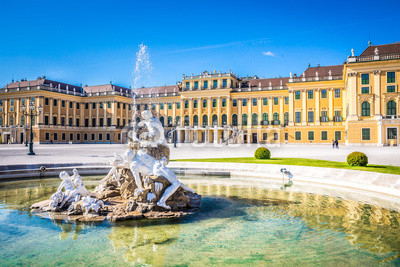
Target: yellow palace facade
[355, 103]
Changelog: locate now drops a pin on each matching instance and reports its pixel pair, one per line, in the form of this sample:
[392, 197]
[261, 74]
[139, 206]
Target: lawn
[303, 162]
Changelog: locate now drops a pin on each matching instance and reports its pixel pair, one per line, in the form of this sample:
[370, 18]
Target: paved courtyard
[100, 153]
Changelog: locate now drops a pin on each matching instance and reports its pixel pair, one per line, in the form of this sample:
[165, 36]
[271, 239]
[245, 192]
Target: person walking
[337, 143]
[333, 143]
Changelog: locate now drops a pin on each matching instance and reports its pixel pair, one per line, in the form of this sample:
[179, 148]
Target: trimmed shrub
[262, 153]
[357, 159]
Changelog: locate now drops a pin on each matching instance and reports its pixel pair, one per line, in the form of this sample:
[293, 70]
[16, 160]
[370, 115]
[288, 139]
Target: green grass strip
[303, 162]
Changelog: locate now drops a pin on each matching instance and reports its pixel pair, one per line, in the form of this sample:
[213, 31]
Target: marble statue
[90, 204]
[155, 131]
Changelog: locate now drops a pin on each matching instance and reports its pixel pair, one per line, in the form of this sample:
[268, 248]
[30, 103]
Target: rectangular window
[297, 136]
[93, 137]
[78, 137]
[365, 134]
[265, 101]
[55, 102]
[153, 106]
[47, 136]
[123, 122]
[70, 122]
[205, 84]
[119, 105]
[391, 78]
[324, 135]
[118, 121]
[187, 86]
[297, 95]
[178, 105]
[137, 107]
[85, 136]
[194, 103]
[123, 106]
[70, 105]
[224, 83]
[77, 123]
[254, 102]
[204, 103]
[223, 102]
[62, 121]
[311, 116]
[71, 136]
[161, 105]
[276, 136]
[391, 88]
[63, 105]
[324, 93]
[169, 105]
[310, 136]
[101, 105]
[310, 94]
[93, 122]
[215, 83]
[234, 102]
[46, 120]
[365, 78]
[364, 90]
[86, 122]
[100, 136]
[214, 103]
[54, 120]
[196, 85]
[55, 136]
[109, 104]
[244, 104]
[108, 122]
[108, 137]
[46, 101]
[101, 122]
[77, 106]
[286, 100]
[276, 101]
[337, 93]
[93, 105]
[297, 116]
[63, 136]
[338, 135]
[265, 136]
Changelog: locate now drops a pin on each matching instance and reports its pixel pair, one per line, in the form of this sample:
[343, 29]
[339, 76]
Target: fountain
[138, 185]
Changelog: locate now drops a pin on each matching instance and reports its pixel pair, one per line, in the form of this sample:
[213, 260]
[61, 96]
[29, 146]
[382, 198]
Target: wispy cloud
[207, 47]
[268, 53]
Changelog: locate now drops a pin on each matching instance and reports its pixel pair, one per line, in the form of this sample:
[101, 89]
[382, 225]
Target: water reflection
[239, 224]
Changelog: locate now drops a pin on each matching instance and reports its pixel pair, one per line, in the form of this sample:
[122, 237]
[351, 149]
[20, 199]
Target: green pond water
[238, 225]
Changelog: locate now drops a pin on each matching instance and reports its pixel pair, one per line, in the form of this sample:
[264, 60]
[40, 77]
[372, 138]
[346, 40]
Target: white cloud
[269, 53]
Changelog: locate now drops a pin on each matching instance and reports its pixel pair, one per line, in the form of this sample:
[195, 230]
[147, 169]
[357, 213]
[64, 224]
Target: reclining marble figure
[155, 131]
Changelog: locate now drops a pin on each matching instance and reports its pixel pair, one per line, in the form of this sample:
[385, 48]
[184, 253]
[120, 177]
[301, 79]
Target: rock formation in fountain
[139, 184]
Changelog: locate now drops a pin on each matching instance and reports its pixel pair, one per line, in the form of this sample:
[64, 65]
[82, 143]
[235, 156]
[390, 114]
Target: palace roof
[44, 82]
[323, 71]
[157, 90]
[105, 88]
[382, 49]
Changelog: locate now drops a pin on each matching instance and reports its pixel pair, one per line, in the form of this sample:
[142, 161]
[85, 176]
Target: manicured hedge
[357, 159]
[262, 153]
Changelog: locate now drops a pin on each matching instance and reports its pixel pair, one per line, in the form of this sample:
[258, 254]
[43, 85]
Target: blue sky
[93, 42]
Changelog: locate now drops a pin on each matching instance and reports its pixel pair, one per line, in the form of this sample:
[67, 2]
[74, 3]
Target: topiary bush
[262, 153]
[357, 159]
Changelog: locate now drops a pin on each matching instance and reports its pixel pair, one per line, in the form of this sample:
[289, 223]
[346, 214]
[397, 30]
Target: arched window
[186, 120]
[162, 120]
[286, 117]
[224, 119]
[205, 120]
[365, 109]
[195, 103]
[186, 103]
[169, 121]
[276, 116]
[234, 120]
[223, 102]
[214, 120]
[254, 119]
[195, 120]
[244, 119]
[265, 116]
[178, 120]
[22, 120]
[391, 108]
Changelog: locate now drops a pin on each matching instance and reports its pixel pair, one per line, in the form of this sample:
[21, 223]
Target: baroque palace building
[356, 103]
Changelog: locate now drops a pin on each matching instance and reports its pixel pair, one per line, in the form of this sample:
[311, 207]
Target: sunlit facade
[355, 103]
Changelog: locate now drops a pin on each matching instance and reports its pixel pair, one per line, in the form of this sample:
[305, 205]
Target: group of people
[335, 143]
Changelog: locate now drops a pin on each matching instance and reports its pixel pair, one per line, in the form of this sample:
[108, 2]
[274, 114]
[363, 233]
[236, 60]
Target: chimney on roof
[309, 65]
[318, 65]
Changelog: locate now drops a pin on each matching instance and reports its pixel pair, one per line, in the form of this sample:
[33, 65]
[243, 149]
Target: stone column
[67, 113]
[219, 111]
[249, 117]
[209, 111]
[281, 113]
[331, 109]
[270, 115]
[158, 110]
[74, 113]
[317, 108]
[259, 100]
[215, 132]
[351, 90]
[291, 108]
[190, 111]
[228, 111]
[239, 102]
[114, 113]
[304, 106]
[377, 93]
[199, 107]
[59, 112]
[17, 119]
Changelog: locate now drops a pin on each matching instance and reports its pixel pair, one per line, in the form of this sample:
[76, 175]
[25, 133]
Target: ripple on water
[236, 225]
